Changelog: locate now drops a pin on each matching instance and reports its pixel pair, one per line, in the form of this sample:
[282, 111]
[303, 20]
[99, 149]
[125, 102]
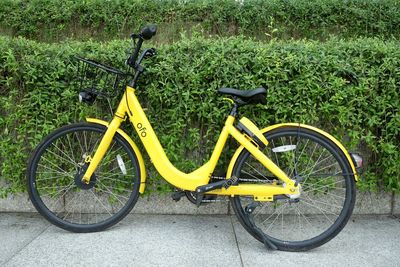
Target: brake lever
[151, 52]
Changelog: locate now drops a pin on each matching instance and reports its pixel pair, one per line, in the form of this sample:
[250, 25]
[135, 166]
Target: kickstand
[267, 242]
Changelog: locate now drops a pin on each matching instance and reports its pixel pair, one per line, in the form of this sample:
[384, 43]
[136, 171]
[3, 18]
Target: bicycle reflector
[357, 160]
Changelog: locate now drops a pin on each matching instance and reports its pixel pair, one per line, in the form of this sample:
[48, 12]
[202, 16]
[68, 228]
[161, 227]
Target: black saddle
[255, 96]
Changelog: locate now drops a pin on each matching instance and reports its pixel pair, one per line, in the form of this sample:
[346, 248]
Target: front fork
[102, 148]
[105, 142]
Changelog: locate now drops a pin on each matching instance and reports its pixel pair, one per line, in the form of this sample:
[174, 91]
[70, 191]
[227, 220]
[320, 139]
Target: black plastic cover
[148, 31]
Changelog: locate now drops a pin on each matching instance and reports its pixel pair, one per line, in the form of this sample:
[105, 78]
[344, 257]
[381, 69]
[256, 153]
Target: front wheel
[327, 193]
[55, 171]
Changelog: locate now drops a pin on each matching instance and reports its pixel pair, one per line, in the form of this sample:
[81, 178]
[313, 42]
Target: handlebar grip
[148, 31]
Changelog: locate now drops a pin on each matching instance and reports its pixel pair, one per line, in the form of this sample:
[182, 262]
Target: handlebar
[146, 33]
[132, 58]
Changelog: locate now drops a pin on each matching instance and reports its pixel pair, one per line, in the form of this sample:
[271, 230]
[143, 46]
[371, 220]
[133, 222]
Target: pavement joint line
[392, 203]
[24, 246]
[395, 216]
[236, 240]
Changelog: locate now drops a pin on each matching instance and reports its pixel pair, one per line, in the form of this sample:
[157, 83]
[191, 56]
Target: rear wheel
[55, 172]
[327, 193]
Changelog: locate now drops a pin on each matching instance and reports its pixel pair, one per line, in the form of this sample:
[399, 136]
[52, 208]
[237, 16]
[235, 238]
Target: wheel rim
[61, 162]
[325, 188]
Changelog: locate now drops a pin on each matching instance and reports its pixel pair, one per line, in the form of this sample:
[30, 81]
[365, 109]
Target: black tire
[323, 220]
[54, 179]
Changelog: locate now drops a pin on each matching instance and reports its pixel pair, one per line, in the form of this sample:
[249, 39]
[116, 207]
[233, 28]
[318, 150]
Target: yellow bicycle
[292, 186]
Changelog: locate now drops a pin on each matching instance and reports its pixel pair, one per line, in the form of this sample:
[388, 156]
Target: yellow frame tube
[272, 127]
[185, 181]
[102, 148]
[198, 177]
[105, 142]
[269, 164]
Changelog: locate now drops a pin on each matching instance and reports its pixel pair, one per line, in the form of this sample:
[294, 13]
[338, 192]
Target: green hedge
[54, 20]
[308, 82]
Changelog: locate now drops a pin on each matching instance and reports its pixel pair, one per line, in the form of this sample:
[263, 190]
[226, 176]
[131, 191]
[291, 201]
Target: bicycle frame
[129, 107]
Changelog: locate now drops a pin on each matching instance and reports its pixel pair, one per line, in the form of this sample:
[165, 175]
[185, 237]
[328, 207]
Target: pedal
[177, 195]
[192, 197]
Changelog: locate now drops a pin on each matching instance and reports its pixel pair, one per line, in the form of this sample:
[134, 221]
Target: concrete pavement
[186, 240]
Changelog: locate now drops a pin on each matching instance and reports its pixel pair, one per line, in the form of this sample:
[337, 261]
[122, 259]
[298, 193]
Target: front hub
[79, 176]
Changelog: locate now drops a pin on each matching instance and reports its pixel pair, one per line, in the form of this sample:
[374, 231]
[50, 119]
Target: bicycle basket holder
[96, 79]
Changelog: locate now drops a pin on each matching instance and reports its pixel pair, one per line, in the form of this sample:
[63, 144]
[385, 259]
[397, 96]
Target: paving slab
[183, 240]
[17, 231]
[366, 203]
[396, 205]
[365, 241]
[141, 240]
[19, 202]
[149, 204]
[372, 203]
[164, 204]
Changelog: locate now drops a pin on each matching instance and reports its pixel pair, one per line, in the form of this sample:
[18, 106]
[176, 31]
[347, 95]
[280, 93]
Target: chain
[215, 200]
[243, 179]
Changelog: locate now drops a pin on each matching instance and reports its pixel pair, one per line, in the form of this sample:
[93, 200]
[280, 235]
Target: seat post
[234, 110]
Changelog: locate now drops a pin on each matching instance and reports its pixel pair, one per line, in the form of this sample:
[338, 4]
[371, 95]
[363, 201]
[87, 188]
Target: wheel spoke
[62, 152]
[323, 201]
[54, 175]
[257, 171]
[101, 203]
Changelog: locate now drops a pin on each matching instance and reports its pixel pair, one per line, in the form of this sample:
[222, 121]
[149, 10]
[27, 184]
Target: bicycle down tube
[189, 181]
